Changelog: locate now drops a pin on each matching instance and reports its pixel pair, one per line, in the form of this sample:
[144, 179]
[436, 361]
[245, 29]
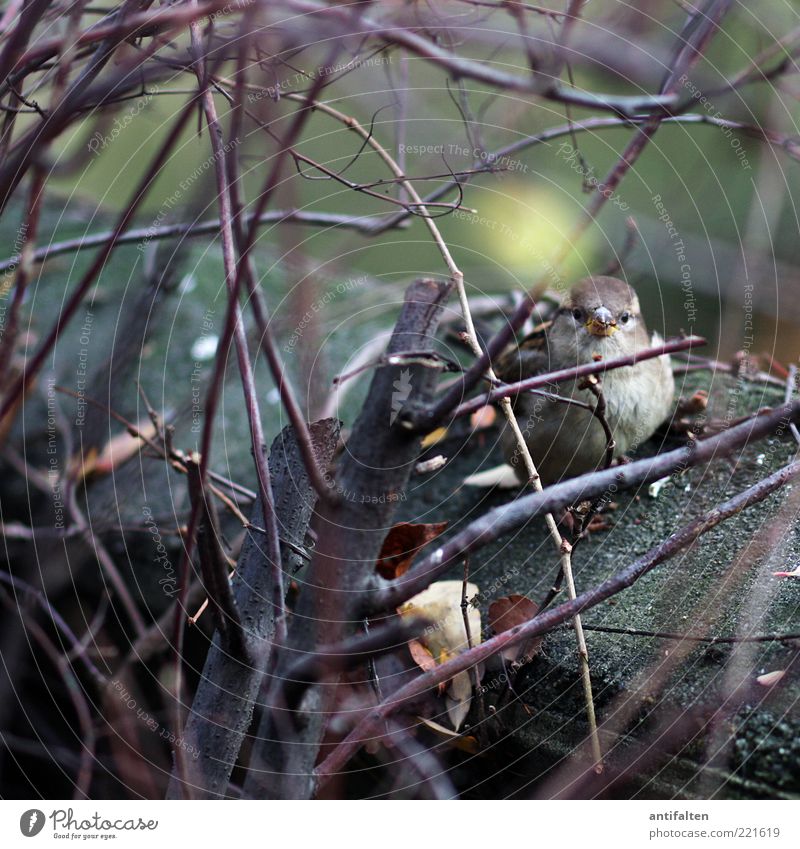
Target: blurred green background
[730, 197]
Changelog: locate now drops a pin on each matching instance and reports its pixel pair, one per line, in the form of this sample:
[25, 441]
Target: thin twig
[693, 638]
[548, 620]
[509, 517]
[473, 672]
[360, 223]
[32, 366]
[421, 760]
[507, 390]
[86, 737]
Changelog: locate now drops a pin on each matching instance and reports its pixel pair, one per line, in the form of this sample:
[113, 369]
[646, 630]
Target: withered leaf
[770, 679]
[508, 612]
[483, 417]
[446, 637]
[401, 545]
[440, 604]
[459, 699]
[422, 657]
[464, 742]
[502, 476]
[114, 454]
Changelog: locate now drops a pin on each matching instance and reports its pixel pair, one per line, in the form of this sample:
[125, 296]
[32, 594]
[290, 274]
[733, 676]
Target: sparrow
[600, 319]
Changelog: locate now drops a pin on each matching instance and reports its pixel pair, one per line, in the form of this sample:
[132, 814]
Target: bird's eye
[625, 317]
[577, 314]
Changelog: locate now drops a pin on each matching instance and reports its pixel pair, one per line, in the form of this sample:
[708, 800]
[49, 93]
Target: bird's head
[601, 315]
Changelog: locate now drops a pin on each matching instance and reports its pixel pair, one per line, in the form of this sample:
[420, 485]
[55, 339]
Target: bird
[599, 319]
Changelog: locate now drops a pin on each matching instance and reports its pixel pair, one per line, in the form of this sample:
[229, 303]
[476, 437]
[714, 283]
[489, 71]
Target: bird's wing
[528, 358]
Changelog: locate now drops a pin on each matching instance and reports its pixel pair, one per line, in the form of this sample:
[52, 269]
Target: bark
[228, 691]
[370, 482]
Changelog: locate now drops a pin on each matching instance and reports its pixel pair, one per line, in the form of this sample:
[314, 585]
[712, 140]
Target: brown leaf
[483, 417]
[422, 657]
[508, 612]
[512, 610]
[401, 545]
[116, 452]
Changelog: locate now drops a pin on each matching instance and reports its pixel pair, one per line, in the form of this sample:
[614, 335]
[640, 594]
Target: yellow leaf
[434, 436]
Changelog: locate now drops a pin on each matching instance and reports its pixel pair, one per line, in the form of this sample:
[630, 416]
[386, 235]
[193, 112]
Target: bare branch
[546, 621]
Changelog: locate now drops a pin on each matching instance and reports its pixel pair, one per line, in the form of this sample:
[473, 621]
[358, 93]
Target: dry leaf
[508, 612]
[459, 699]
[401, 545]
[422, 657]
[118, 450]
[446, 636]
[440, 604]
[502, 476]
[769, 679]
[434, 436]
[464, 742]
[483, 418]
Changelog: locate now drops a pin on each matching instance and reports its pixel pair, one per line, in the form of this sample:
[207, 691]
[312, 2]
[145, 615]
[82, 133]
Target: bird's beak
[601, 323]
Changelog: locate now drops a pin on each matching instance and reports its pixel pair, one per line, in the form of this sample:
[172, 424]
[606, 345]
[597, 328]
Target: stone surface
[722, 587]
